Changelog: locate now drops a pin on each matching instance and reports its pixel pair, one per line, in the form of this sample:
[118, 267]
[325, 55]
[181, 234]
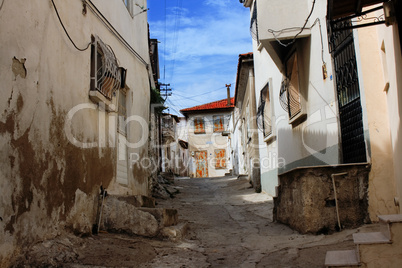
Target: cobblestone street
[229, 225]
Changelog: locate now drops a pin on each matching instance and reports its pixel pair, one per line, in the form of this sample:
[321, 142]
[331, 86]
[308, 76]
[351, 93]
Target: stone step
[121, 215]
[386, 223]
[135, 200]
[370, 238]
[341, 258]
[174, 233]
[165, 216]
[394, 218]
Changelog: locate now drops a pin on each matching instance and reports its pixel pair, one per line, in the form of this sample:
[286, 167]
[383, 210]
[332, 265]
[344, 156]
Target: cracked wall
[48, 185]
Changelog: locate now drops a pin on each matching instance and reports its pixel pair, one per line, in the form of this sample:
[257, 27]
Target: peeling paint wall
[208, 141]
[307, 202]
[47, 183]
[382, 186]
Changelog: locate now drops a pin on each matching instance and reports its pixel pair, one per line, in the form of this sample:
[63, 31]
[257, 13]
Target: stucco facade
[246, 123]
[209, 147]
[317, 133]
[59, 145]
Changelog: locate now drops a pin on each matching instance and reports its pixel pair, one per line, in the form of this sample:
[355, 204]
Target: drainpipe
[336, 196]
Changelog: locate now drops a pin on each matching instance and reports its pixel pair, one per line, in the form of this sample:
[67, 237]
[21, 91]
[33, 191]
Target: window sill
[98, 98]
[270, 138]
[297, 119]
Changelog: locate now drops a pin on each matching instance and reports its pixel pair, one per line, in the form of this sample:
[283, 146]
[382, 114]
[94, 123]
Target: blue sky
[200, 41]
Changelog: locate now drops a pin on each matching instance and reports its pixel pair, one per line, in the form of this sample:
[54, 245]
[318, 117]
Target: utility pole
[166, 89]
[228, 89]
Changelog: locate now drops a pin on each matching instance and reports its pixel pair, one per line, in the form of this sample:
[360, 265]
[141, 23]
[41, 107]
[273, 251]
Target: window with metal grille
[289, 94]
[218, 123]
[199, 125]
[264, 113]
[254, 24]
[129, 5]
[106, 76]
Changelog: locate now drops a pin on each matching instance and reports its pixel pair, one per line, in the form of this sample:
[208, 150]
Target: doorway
[201, 164]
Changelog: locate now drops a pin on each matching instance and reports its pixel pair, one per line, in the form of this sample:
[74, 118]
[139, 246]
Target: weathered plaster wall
[208, 142]
[306, 199]
[313, 141]
[381, 179]
[249, 130]
[47, 183]
[392, 66]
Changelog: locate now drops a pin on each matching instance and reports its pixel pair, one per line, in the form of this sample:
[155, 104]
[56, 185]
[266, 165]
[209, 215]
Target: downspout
[336, 196]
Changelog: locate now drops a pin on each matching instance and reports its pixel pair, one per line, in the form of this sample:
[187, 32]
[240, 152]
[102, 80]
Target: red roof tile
[221, 104]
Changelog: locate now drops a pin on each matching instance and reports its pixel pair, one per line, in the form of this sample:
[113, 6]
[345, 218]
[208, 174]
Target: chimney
[228, 88]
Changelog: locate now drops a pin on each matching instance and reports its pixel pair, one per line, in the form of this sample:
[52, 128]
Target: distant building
[208, 140]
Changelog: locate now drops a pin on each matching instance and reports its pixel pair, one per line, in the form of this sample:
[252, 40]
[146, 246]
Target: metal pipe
[336, 196]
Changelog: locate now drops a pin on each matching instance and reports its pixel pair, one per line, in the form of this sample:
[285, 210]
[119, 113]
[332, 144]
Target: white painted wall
[391, 64]
[208, 142]
[315, 140]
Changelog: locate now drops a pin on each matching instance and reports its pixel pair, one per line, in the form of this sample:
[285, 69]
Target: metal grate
[289, 98]
[263, 114]
[254, 24]
[107, 78]
[348, 93]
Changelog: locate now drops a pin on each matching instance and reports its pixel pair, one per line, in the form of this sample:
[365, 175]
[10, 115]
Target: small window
[129, 5]
[254, 24]
[199, 125]
[122, 112]
[106, 76]
[264, 113]
[290, 91]
[219, 123]
[247, 119]
[220, 158]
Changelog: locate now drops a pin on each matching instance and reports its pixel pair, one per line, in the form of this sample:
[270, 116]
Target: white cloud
[201, 50]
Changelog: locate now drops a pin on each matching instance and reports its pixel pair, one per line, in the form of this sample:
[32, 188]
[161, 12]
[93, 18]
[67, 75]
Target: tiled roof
[221, 104]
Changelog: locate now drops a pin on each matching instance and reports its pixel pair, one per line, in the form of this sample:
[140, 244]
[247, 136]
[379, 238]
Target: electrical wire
[1, 6]
[65, 30]
[193, 96]
[292, 28]
[322, 42]
[113, 30]
[176, 35]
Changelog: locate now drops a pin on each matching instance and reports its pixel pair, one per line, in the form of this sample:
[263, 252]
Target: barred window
[106, 76]
[290, 92]
[264, 113]
[129, 5]
[254, 24]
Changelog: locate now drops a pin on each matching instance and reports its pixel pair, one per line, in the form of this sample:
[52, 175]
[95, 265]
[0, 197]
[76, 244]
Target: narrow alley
[228, 225]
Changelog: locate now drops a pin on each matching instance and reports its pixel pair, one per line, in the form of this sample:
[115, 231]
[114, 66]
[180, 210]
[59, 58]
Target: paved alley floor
[229, 226]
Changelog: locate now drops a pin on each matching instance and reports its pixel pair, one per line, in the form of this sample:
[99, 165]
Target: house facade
[208, 142]
[245, 121]
[319, 92]
[76, 78]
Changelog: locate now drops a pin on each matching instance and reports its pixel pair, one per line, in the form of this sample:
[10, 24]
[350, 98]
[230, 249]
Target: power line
[65, 30]
[292, 28]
